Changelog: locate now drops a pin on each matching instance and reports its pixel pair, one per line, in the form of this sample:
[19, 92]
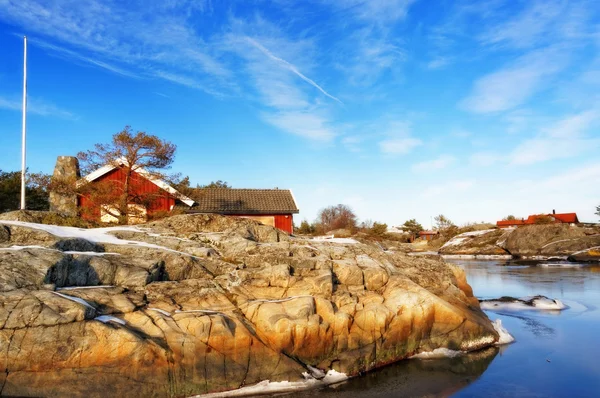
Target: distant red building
[559, 218]
[428, 235]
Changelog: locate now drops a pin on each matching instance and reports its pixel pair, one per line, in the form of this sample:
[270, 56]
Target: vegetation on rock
[36, 191]
[134, 152]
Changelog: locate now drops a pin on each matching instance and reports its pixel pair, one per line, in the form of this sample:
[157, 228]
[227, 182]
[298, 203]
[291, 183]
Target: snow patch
[437, 353]
[459, 239]
[333, 239]
[92, 253]
[278, 300]
[505, 336]
[165, 313]
[522, 304]
[75, 299]
[17, 248]
[84, 287]
[478, 256]
[97, 235]
[108, 318]
[561, 265]
[267, 387]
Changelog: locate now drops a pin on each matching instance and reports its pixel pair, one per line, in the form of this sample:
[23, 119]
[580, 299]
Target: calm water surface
[556, 353]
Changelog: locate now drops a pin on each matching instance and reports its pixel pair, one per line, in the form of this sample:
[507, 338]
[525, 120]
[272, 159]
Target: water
[556, 353]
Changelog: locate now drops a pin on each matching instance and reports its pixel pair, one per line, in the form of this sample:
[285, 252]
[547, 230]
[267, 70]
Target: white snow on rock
[561, 265]
[84, 287]
[333, 239]
[75, 299]
[437, 354]
[97, 235]
[523, 304]
[109, 318]
[17, 248]
[459, 239]
[267, 387]
[505, 336]
[160, 311]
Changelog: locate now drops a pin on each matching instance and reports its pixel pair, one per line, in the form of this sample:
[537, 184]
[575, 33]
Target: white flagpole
[23, 165]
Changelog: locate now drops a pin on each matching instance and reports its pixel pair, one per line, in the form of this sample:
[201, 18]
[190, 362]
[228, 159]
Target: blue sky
[399, 108]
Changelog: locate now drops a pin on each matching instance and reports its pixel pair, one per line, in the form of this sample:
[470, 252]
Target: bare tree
[442, 223]
[135, 154]
[336, 217]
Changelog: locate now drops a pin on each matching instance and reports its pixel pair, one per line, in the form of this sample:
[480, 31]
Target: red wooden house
[559, 218]
[275, 207]
[156, 196]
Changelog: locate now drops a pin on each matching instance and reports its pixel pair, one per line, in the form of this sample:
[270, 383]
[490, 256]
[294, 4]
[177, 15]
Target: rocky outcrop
[588, 255]
[542, 241]
[485, 242]
[202, 303]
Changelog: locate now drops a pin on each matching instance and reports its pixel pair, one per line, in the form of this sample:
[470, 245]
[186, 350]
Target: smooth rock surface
[255, 304]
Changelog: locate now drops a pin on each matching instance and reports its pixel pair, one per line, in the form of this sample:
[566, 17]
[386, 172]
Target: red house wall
[139, 185]
[284, 222]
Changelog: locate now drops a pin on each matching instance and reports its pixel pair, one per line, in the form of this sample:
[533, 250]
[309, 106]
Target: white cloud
[528, 27]
[353, 142]
[438, 62]
[290, 67]
[461, 133]
[399, 146]
[573, 126]
[435, 164]
[155, 37]
[513, 85]
[484, 159]
[564, 138]
[378, 11]
[36, 106]
[543, 149]
[302, 123]
[448, 188]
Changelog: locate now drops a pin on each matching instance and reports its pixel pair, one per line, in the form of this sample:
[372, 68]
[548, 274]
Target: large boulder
[203, 303]
[485, 242]
[548, 240]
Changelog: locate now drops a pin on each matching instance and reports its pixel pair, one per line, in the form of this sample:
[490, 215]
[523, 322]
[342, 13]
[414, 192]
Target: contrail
[290, 67]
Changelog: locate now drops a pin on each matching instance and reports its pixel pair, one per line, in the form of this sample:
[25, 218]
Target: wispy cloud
[565, 138]
[450, 187]
[290, 67]
[484, 159]
[107, 34]
[302, 123]
[441, 162]
[399, 146]
[379, 11]
[400, 140]
[514, 84]
[36, 106]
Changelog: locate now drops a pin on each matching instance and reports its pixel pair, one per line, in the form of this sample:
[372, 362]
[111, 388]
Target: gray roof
[244, 201]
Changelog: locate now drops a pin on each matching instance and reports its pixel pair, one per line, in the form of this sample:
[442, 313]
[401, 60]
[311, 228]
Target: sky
[400, 109]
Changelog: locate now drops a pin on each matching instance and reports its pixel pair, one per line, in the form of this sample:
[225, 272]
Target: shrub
[378, 229]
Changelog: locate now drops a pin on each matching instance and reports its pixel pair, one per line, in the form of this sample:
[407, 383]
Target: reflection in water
[555, 354]
[534, 326]
[413, 378]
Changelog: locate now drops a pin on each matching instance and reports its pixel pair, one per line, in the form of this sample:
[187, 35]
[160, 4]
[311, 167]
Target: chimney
[63, 199]
[553, 211]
